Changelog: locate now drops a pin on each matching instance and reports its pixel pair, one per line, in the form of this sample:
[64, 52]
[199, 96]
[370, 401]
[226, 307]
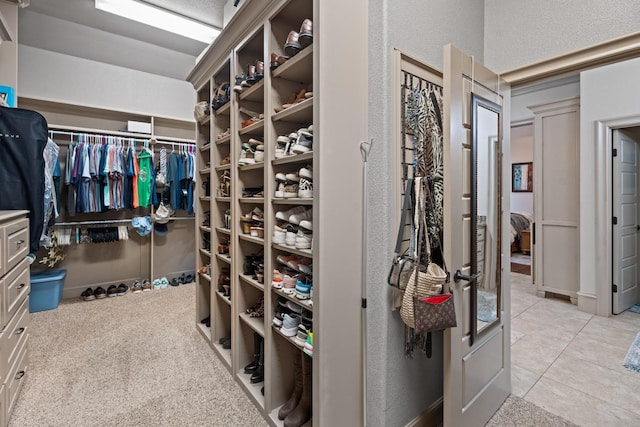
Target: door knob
[459, 276]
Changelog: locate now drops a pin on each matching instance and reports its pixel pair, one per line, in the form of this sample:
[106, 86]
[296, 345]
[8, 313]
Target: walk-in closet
[243, 213]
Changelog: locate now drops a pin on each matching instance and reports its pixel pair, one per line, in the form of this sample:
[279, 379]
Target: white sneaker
[290, 189]
[284, 215]
[307, 224]
[305, 188]
[279, 235]
[281, 176]
[306, 172]
[291, 235]
[303, 240]
[300, 215]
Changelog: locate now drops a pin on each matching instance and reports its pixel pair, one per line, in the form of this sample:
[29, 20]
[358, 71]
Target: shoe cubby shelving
[279, 104]
[203, 219]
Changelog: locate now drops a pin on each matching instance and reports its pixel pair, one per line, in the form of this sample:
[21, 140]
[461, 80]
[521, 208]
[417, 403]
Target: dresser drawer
[3, 258]
[17, 238]
[3, 406]
[16, 333]
[17, 286]
[16, 377]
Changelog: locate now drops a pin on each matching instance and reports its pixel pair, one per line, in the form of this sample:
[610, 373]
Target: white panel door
[625, 228]
[476, 371]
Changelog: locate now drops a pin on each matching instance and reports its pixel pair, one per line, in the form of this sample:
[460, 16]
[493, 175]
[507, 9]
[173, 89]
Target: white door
[477, 370]
[625, 223]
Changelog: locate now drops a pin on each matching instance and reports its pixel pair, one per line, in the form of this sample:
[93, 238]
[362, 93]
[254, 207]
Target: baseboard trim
[587, 303]
[75, 292]
[429, 418]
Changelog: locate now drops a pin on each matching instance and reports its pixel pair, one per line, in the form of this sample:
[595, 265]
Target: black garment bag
[23, 137]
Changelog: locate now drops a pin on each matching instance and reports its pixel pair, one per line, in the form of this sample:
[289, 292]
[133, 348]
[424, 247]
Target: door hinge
[615, 220]
[364, 303]
[615, 152]
[615, 288]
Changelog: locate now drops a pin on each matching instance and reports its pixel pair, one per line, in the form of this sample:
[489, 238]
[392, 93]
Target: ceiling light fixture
[159, 18]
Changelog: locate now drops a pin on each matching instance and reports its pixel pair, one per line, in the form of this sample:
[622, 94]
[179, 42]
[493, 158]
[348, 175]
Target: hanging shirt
[144, 178]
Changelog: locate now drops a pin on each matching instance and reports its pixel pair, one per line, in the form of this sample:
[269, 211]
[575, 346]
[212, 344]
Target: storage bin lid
[48, 276]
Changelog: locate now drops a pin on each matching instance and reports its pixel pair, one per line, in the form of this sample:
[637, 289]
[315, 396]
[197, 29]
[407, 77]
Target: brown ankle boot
[293, 401]
[303, 411]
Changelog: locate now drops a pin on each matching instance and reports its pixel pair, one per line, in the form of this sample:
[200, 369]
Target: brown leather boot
[303, 411]
[277, 60]
[306, 33]
[293, 401]
[292, 45]
[259, 69]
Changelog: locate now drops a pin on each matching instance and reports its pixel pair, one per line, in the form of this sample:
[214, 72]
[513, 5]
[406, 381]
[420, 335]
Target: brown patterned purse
[434, 313]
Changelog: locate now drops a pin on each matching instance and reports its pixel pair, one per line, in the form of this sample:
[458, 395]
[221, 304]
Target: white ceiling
[76, 28]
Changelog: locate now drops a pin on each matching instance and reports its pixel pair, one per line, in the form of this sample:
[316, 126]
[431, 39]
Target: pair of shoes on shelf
[256, 366]
[298, 142]
[224, 134]
[298, 215]
[256, 310]
[117, 291]
[296, 184]
[295, 98]
[255, 73]
[206, 321]
[220, 96]
[225, 342]
[277, 60]
[296, 41]
[295, 262]
[297, 410]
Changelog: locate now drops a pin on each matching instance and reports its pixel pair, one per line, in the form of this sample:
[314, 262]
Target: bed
[520, 221]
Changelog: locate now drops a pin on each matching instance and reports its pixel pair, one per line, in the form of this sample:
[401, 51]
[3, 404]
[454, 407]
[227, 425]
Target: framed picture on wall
[522, 177]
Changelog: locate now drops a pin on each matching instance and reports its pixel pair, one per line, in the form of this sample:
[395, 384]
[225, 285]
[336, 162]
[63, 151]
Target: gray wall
[399, 389]
[521, 32]
[69, 79]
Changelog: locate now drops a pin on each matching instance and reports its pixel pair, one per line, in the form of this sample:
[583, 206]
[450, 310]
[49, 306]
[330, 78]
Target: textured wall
[520, 32]
[399, 389]
[605, 94]
[68, 79]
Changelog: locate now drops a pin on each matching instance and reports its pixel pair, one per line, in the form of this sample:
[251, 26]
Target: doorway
[522, 200]
[626, 222]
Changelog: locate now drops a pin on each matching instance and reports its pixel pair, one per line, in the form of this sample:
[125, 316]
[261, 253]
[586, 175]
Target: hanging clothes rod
[114, 221]
[127, 136]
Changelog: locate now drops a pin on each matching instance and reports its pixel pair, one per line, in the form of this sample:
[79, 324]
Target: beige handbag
[424, 282]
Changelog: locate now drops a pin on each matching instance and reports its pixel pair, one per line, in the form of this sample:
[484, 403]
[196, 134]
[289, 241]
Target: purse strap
[403, 217]
[420, 225]
[444, 262]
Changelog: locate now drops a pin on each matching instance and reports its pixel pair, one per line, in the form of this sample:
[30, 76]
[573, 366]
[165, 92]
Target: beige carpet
[517, 412]
[134, 360]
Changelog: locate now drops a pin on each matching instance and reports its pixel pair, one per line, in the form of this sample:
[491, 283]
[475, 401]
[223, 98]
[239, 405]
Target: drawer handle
[21, 285]
[19, 242]
[19, 375]
[19, 331]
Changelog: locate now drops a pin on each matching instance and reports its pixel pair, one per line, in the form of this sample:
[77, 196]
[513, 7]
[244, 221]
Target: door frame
[617, 231]
[604, 207]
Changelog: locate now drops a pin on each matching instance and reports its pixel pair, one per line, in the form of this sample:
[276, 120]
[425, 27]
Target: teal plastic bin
[46, 290]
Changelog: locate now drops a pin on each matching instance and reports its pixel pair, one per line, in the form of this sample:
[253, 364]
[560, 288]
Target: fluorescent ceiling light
[159, 18]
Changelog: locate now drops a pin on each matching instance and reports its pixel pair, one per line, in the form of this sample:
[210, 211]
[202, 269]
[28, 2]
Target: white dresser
[14, 307]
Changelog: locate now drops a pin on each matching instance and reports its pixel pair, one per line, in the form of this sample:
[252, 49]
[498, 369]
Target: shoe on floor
[146, 286]
[100, 292]
[122, 289]
[136, 288]
[88, 295]
[112, 291]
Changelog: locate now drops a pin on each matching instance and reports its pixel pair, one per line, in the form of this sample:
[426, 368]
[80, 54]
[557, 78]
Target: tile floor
[569, 362]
